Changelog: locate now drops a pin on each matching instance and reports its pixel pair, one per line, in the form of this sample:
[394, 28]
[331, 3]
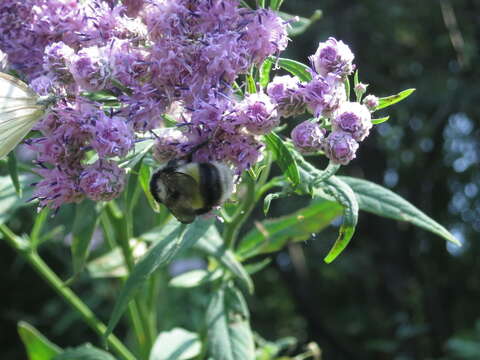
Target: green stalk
[233, 228]
[124, 234]
[32, 257]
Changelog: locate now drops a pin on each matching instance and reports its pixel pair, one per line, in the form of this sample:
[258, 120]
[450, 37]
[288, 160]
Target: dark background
[397, 292]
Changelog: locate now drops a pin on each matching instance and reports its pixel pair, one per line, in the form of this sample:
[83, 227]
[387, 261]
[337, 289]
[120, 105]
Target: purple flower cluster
[325, 97]
[158, 55]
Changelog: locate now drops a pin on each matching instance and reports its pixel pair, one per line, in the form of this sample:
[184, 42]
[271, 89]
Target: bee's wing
[182, 190]
[19, 111]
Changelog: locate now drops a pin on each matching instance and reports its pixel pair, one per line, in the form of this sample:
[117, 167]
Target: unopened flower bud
[371, 102]
[340, 147]
[308, 137]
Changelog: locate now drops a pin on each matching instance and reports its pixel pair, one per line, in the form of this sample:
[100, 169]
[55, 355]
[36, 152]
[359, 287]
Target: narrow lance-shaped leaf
[393, 99]
[296, 68]
[264, 72]
[298, 24]
[144, 179]
[251, 87]
[380, 120]
[86, 218]
[160, 253]
[283, 157]
[38, 347]
[229, 333]
[384, 202]
[275, 4]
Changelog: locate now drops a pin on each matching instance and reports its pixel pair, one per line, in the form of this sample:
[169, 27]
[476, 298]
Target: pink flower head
[353, 118]
[58, 187]
[340, 147]
[90, 68]
[266, 34]
[258, 113]
[323, 96]
[56, 60]
[333, 57]
[102, 181]
[308, 137]
[284, 90]
[110, 136]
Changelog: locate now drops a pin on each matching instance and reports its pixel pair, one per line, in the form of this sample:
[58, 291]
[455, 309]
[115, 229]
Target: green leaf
[383, 202]
[347, 88]
[271, 235]
[38, 347]
[84, 352]
[298, 24]
[265, 72]
[258, 266]
[138, 152]
[176, 344]
[335, 189]
[12, 169]
[393, 99]
[9, 200]
[355, 78]
[251, 87]
[212, 244]
[295, 68]
[159, 254]
[275, 4]
[194, 278]
[229, 333]
[380, 120]
[283, 157]
[144, 179]
[261, 4]
[86, 219]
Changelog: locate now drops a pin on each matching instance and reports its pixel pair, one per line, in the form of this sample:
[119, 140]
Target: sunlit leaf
[38, 347]
[264, 72]
[393, 99]
[380, 120]
[144, 180]
[176, 344]
[296, 68]
[194, 278]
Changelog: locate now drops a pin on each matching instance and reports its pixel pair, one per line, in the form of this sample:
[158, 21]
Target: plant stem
[141, 323]
[32, 257]
[232, 229]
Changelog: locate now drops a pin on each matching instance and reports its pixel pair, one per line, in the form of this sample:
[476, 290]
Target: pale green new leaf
[176, 344]
[393, 99]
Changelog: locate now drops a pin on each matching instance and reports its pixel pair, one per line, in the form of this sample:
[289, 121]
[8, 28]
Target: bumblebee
[189, 189]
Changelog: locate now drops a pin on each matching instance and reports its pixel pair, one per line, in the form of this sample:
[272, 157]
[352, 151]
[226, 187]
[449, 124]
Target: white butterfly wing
[19, 112]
